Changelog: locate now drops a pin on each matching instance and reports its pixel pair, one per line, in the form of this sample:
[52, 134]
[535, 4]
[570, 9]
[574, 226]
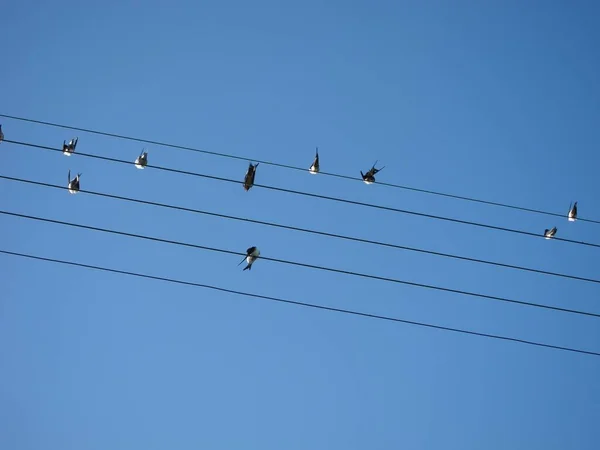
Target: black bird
[572, 216]
[249, 178]
[70, 147]
[314, 169]
[369, 177]
[142, 160]
[73, 185]
[251, 255]
[548, 234]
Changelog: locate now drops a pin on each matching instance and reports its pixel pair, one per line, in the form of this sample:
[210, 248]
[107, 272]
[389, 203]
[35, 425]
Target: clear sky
[498, 100]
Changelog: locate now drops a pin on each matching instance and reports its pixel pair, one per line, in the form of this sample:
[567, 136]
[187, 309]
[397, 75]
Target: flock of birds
[253, 253]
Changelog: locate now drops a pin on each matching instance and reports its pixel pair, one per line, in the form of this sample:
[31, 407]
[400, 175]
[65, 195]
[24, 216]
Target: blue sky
[497, 100]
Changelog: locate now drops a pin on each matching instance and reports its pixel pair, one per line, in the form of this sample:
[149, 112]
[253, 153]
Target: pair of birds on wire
[68, 149]
[368, 178]
[571, 217]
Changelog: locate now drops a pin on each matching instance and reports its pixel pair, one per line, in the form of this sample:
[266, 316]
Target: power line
[305, 265]
[309, 194]
[311, 231]
[297, 303]
[303, 169]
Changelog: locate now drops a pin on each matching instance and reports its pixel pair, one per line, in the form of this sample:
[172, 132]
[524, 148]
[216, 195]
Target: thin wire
[299, 264]
[297, 303]
[311, 231]
[308, 194]
[303, 169]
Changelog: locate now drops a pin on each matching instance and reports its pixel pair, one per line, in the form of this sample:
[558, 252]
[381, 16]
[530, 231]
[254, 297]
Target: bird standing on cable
[314, 169]
[369, 177]
[1, 133]
[142, 160]
[73, 185]
[572, 216]
[548, 234]
[251, 255]
[249, 178]
[70, 147]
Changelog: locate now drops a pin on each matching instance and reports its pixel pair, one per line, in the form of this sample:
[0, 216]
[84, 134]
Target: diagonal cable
[298, 303]
[305, 265]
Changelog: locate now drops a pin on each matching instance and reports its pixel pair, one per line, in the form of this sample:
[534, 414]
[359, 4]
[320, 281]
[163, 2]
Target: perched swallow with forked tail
[572, 216]
[251, 255]
[70, 147]
[73, 185]
[142, 160]
[549, 234]
[369, 177]
[314, 169]
[249, 178]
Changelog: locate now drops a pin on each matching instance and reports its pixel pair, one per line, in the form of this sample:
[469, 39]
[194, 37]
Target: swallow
[1, 133]
[314, 169]
[70, 147]
[73, 185]
[572, 216]
[142, 160]
[251, 255]
[249, 178]
[548, 234]
[369, 177]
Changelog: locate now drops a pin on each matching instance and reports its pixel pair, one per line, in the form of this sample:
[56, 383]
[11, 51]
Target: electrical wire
[287, 166]
[310, 231]
[309, 194]
[305, 265]
[297, 303]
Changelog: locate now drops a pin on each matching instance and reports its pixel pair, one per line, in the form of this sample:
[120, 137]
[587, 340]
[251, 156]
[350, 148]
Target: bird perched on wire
[142, 160]
[314, 169]
[548, 234]
[1, 133]
[249, 178]
[572, 216]
[251, 255]
[73, 185]
[369, 177]
[70, 147]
